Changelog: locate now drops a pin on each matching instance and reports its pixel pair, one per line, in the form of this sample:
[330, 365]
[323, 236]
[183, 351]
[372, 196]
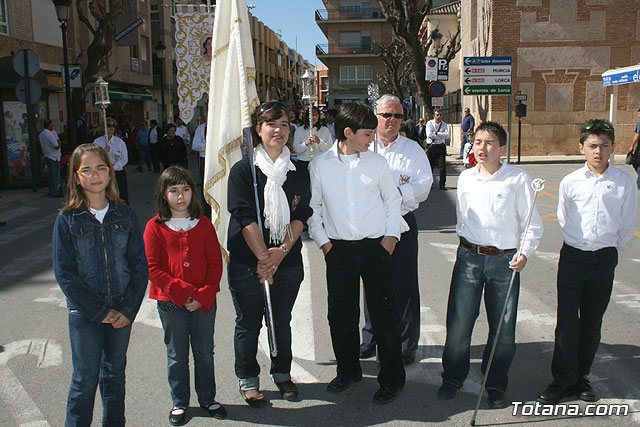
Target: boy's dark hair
[597, 127]
[176, 175]
[494, 128]
[354, 116]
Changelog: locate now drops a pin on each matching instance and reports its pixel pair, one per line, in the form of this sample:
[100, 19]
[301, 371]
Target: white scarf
[276, 206]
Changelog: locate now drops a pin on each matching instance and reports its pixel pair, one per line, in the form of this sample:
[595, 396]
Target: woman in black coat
[172, 149]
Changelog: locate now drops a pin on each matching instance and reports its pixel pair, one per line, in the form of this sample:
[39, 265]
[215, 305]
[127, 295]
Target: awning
[129, 96]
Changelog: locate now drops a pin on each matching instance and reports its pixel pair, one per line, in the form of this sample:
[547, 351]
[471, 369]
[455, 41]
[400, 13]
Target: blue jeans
[465, 138]
[248, 299]
[181, 326]
[145, 157]
[472, 274]
[99, 355]
[53, 174]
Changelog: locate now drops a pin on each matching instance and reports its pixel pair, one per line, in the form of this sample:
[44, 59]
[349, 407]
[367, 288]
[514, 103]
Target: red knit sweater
[183, 264]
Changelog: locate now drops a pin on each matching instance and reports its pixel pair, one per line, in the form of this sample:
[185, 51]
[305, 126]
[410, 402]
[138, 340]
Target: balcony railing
[349, 13]
[344, 49]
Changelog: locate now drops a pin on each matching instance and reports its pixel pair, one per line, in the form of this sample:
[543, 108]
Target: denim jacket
[100, 266]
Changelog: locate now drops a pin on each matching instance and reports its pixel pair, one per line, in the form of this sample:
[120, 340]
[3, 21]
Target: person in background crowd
[331, 122]
[421, 131]
[142, 139]
[50, 144]
[118, 154]
[635, 148]
[200, 146]
[437, 134]
[154, 149]
[182, 131]
[468, 122]
[308, 146]
[172, 149]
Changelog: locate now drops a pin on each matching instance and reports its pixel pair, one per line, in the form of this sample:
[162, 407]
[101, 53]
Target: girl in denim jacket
[100, 265]
[185, 266]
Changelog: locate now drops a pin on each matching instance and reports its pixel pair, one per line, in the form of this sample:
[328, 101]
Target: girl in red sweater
[185, 266]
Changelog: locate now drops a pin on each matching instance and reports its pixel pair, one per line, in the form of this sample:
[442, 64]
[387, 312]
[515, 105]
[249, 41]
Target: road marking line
[303, 340]
[14, 213]
[536, 319]
[298, 373]
[449, 250]
[18, 266]
[25, 230]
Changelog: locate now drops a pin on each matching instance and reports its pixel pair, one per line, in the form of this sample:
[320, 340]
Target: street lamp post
[63, 9]
[160, 47]
[101, 92]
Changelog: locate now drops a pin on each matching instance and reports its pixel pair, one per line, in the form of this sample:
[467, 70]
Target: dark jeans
[181, 328]
[437, 154]
[143, 151]
[585, 280]
[154, 153]
[465, 138]
[99, 355]
[53, 175]
[405, 285]
[248, 299]
[123, 187]
[347, 262]
[472, 274]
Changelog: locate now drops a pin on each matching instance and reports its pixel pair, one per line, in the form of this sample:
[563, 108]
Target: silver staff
[268, 309]
[374, 93]
[537, 185]
[309, 94]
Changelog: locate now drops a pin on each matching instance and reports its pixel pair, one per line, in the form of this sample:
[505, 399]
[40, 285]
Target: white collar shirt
[117, 151]
[353, 198]
[596, 212]
[493, 211]
[48, 141]
[410, 169]
[183, 133]
[200, 140]
[437, 133]
[309, 152]
[153, 135]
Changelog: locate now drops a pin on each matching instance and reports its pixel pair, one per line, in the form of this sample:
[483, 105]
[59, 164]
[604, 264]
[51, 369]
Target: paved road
[35, 363]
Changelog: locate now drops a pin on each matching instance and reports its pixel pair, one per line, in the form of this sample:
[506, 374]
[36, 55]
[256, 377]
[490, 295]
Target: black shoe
[555, 392]
[447, 391]
[496, 399]
[367, 350]
[385, 394]
[443, 188]
[288, 390]
[408, 357]
[584, 391]
[339, 383]
[216, 410]
[177, 416]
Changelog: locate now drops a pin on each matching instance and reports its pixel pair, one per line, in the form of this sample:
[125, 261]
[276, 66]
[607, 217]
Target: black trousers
[585, 280]
[437, 154]
[347, 262]
[205, 206]
[154, 153]
[407, 291]
[123, 189]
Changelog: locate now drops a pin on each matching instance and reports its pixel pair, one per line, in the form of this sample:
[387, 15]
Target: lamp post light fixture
[436, 36]
[160, 47]
[101, 92]
[63, 11]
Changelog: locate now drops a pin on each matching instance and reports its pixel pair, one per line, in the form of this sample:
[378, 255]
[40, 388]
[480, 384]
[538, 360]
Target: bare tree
[406, 18]
[103, 30]
[396, 67]
[480, 47]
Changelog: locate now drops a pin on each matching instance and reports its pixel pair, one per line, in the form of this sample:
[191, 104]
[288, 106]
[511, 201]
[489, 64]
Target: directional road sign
[620, 76]
[487, 75]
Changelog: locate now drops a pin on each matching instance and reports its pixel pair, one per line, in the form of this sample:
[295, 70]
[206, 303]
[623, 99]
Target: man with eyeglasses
[118, 154]
[412, 176]
[437, 133]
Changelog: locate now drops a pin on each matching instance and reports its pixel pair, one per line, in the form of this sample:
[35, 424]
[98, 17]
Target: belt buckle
[488, 250]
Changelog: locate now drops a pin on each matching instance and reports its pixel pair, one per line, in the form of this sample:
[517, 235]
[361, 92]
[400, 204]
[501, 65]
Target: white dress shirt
[410, 169]
[493, 211]
[49, 140]
[183, 133]
[153, 135]
[118, 153]
[200, 140]
[353, 197]
[434, 135]
[596, 212]
[309, 152]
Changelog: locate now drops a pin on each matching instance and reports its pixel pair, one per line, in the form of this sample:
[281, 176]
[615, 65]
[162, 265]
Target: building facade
[559, 50]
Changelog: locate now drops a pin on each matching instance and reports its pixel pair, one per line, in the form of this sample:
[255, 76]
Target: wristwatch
[284, 249]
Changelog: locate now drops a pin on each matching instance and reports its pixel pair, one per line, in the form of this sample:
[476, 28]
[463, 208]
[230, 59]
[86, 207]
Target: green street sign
[488, 90]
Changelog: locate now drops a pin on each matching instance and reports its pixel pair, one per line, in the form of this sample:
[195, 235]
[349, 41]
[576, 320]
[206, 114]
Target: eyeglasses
[110, 125]
[88, 172]
[269, 105]
[598, 124]
[394, 115]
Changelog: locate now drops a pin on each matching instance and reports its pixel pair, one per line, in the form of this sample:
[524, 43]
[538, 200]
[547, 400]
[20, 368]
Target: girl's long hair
[176, 175]
[76, 198]
[266, 112]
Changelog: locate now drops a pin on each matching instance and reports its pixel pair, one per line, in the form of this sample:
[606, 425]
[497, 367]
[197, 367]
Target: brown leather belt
[484, 250]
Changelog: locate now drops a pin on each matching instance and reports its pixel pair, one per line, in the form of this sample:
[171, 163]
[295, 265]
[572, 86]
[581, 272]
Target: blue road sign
[487, 60]
[621, 76]
[437, 89]
[406, 103]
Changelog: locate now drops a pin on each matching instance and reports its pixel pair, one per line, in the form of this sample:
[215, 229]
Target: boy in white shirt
[597, 207]
[356, 222]
[493, 202]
